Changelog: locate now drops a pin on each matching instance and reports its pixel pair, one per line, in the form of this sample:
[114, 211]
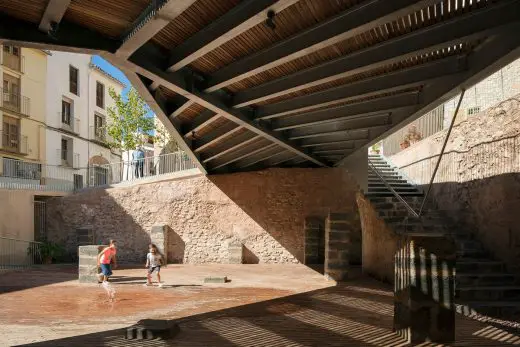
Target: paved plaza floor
[261, 305]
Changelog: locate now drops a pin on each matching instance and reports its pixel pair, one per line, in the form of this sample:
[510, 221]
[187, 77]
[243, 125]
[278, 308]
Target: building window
[73, 80]
[64, 149]
[100, 95]
[12, 50]
[66, 108]
[11, 93]
[473, 110]
[10, 134]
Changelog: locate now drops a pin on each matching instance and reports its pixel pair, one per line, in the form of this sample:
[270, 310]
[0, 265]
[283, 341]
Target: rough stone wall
[379, 243]
[265, 210]
[478, 182]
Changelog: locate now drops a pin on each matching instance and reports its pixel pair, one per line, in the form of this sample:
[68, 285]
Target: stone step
[471, 253]
[397, 189]
[393, 185]
[487, 293]
[384, 173]
[469, 265]
[486, 279]
[491, 308]
[388, 181]
[383, 194]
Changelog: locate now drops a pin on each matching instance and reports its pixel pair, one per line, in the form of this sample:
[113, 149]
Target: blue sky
[112, 70]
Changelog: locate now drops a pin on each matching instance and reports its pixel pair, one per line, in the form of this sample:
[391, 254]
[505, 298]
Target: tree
[129, 124]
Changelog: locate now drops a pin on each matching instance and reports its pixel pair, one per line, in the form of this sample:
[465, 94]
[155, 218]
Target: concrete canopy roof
[250, 84]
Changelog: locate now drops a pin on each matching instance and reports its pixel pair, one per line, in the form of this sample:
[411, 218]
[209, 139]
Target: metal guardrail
[69, 123]
[19, 254]
[387, 185]
[15, 102]
[16, 144]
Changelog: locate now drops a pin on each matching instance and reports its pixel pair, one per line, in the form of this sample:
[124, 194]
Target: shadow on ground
[39, 276]
[358, 313]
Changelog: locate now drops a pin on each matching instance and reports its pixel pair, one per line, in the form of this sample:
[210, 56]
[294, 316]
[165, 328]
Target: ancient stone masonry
[159, 237]
[424, 289]
[337, 243]
[314, 240]
[263, 210]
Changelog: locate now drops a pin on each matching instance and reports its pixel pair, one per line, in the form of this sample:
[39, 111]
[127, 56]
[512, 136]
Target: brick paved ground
[275, 305]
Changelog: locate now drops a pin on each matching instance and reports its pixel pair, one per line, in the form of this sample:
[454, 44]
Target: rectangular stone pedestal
[235, 252]
[313, 252]
[337, 242]
[424, 289]
[159, 237]
[88, 268]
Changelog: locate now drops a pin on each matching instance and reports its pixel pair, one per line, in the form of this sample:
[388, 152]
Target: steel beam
[53, 14]
[265, 154]
[183, 107]
[153, 19]
[157, 104]
[498, 51]
[370, 108]
[354, 21]
[467, 27]
[241, 154]
[232, 144]
[215, 136]
[202, 120]
[238, 20]
[330, 143]
[340, 127]
[386, 83]
[175, 82]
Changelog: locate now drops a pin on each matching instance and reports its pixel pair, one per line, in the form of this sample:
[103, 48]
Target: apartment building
[22, 111]
[77, 103]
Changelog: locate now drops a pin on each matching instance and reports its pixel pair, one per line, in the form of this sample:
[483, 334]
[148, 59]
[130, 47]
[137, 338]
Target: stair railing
[387, 185]
[442, 151]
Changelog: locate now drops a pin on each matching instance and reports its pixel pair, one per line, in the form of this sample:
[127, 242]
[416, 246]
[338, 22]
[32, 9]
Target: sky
[112, 71]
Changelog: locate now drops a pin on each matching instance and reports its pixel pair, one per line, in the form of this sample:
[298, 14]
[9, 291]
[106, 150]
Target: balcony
[68, 159]
[12, 61]
[15, 102]
[14, 144]
[69, 123]
[99, 135]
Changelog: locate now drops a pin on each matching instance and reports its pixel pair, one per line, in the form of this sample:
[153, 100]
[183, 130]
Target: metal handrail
[442, 151]
[408, 207]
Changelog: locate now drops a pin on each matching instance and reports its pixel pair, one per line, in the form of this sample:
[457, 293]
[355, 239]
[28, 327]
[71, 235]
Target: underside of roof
[250, 84]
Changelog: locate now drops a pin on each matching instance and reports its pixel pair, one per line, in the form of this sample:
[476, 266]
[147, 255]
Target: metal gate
[40, 220]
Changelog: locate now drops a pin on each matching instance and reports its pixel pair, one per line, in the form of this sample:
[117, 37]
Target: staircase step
[471, 253]
[393, 185]
[485, 293]
[383, 194]
[486, 279]
[397, 189]
[469, 265]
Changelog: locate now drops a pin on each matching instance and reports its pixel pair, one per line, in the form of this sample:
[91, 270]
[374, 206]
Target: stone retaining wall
[263, 210]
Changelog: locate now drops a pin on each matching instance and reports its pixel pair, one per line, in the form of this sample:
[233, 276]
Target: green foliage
[129, 124]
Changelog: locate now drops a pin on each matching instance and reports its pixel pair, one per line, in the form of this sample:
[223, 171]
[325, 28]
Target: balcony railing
[70, 123]
[15, 102]
[14, 62]
[68, 159]
[16, 144]
[19, 254]
[98, 134]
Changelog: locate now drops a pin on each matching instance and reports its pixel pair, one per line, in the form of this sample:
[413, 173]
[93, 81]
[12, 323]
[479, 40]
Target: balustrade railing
[15, 102]
[19, 254]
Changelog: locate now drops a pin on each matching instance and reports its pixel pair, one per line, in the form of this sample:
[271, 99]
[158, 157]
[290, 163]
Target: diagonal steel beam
[242, 153]
[175, 82]
[183, 107]
[215, 136]
[382, 84]
[238, 20]
[157, 104]
[330, 143]
[53, 14]
[205, 118]
[354, 21]
[464, 28]
[370, 108]
[496, 52]
[232, 144]
[153, 19]
[265, 154]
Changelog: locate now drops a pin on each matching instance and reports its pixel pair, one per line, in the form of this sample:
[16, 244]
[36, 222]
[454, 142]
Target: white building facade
[77, 103]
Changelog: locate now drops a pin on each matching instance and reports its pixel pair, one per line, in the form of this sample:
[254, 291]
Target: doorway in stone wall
[314, 253]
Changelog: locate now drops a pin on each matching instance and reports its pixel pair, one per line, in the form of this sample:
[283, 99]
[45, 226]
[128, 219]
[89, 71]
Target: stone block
[235, 251]
[215, 279]
[423, 309]
[159, 235]
[87, 267]
[337, 241]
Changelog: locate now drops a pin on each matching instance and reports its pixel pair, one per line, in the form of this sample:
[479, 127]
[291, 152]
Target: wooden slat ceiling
[419, 19]
[295, 128]
[192, 20]
[109, 17]
[300, 16]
